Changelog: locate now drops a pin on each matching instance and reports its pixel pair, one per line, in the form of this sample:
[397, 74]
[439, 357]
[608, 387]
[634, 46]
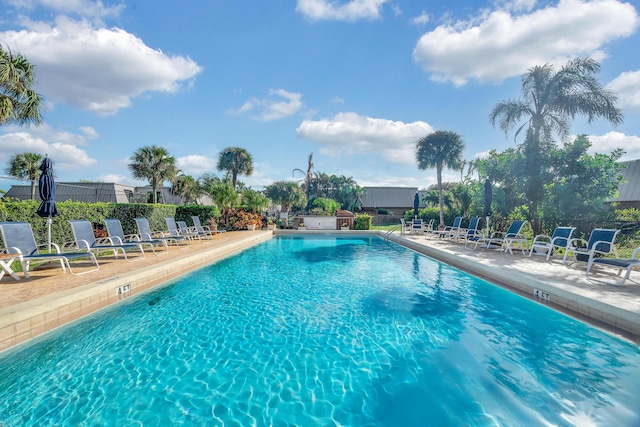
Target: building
[394, 200]
[105, 192]
[629, 192]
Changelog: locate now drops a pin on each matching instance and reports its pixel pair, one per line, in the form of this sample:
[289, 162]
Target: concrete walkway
[51, 298]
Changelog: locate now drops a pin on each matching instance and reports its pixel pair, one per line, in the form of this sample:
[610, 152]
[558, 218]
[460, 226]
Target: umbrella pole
[488, 227]
[49, 234]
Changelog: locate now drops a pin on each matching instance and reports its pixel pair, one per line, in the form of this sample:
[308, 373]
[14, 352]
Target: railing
[386, 235]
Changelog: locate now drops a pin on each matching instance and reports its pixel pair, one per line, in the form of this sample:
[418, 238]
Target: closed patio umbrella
[488, 198]
[416, 203]
[47, 190]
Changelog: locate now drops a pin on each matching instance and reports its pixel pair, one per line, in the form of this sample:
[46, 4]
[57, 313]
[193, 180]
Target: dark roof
[391, 197]
[630, 188]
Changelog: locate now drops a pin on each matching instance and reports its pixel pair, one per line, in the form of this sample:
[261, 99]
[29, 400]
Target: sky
[356, 83]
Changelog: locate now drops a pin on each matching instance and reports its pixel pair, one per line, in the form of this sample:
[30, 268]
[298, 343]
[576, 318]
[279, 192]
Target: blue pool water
[323, 332]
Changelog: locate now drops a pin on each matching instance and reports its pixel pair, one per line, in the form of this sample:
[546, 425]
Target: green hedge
[364, 222]
[96, 213]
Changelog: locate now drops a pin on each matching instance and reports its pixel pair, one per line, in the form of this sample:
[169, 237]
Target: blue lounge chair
[546, 245]
[450, 231]
[504, 241]
[471, 231]
[84, 239]
[18, 239]
[115, 232]
[601, 242]
[621, 264]
[416, 226]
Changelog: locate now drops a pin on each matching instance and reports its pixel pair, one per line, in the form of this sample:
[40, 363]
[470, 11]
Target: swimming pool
[324, 331]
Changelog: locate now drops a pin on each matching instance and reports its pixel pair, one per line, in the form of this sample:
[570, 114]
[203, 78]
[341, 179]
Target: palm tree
[437, 150]
[550, 101]
[308, 176]
[26, 166]
[236, 161]
[187, 188]
[154, 164]
[19, 103]
[286, 194]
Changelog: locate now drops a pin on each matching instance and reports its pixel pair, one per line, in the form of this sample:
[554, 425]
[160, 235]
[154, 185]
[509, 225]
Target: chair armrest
[54, 247]
[574, 241]
[104, 241]
[542, 236]
[635, 252]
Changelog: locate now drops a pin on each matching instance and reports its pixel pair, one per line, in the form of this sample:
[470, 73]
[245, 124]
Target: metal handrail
[386, 235]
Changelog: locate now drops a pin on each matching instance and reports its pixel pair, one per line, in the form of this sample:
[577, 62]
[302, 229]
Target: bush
[383, 212]
[363, 222]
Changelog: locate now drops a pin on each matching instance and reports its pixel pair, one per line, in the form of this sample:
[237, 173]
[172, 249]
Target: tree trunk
[440, 204]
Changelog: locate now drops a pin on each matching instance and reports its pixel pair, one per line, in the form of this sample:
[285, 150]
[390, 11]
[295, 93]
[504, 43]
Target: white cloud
[84, 8]
[331, 10]
[627, 88]
[97, 69]
[421, 20]
[608, 142]
[501, 44]
[118, 179]
[272, 108]
[516, 5]
[62, 147]
[196, 165]
[352, 134]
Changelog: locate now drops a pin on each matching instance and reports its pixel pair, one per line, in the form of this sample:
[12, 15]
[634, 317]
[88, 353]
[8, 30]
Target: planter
[271, 226]
[344, 228]
[302, 228]
[251, 227]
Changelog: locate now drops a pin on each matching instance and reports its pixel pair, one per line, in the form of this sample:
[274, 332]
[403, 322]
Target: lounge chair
[84, 239]
[450, 231]
[416, 226]
[469, 232]
[144, 230]
[204, 229]
[18, 239]
[505, 241]
[176, 232]
[428, 229]
[115, 232]
[600, 243]
[406, 228]
[546, 245]
[619, 263]
[184, 230]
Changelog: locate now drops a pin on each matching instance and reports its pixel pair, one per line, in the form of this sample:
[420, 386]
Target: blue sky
[356, 83]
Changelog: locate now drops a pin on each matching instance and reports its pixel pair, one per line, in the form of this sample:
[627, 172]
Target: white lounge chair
[627, 264]
[18, 239]
[204, 229]
[116, 233]
[600, 243]
[145, 233]
[84, 239]
[546, 245]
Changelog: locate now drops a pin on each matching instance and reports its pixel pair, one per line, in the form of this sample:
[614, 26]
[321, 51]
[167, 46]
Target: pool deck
[51, 298]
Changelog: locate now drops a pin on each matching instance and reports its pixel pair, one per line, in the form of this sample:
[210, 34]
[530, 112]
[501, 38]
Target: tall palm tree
[19, 103]
[236, 161]
[154, 164]
[308, 177]
[26, 166]
[550, 101]
[438, 150]
[286, 194]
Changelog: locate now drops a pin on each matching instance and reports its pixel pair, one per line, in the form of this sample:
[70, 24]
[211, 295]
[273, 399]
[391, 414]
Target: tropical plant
[327, 206]
[223, 195]
[438, 150]
[19, 103]
[236, 161]
[550, 101]
[253, 200]
[154, 164]
[308, 176]
[26, 166]
[187, 188]
[287, 194]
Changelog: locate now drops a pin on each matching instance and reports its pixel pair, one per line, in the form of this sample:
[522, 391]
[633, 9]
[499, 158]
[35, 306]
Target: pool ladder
[386, 235]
